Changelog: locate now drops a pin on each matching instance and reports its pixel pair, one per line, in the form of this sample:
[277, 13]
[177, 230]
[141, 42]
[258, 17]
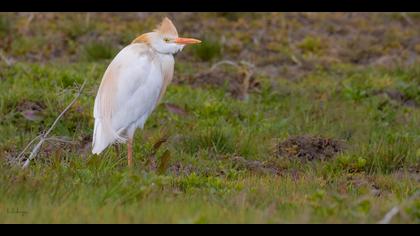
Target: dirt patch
[179, 169]
[176, 109]
[84, 145]
[401, 98]
[397, 96]
[359, 181]
[31, 110]
[411, 173]
[309, 148]
[238, 79]
[256, 166]
[59, 147]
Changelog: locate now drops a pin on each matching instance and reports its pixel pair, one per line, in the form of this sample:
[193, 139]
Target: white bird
[133, 84]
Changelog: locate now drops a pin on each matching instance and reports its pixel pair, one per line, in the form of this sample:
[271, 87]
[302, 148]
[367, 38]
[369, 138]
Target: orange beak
[187, 41]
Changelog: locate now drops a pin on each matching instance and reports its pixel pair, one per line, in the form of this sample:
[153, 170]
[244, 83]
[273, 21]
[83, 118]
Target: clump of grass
[37, 47]
[311, 44]
[98, 50]
[389, 154]
[359, 86]
[5, 25]
[411, 90]
[208, 50]
[355, 92]
[213, 140]
[74, 29]
[194, 181]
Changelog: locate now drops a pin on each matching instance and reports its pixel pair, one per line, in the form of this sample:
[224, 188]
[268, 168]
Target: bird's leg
[130, 152]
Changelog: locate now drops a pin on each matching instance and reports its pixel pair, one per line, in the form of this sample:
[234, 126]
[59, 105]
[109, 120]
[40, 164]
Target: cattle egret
[133, 85]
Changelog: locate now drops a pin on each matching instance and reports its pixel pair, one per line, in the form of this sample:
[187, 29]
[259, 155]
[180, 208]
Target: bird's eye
[166, 40]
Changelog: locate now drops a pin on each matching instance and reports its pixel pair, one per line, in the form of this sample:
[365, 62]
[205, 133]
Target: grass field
[318, 122]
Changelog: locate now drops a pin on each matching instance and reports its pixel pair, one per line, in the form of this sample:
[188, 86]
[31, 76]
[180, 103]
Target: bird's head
[164, 38]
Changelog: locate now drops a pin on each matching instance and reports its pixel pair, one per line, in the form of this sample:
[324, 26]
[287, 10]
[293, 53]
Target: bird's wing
[129, 90]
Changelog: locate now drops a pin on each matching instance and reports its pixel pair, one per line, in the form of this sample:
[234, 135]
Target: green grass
[5, 25]
[202, 183]
[219, 163]
[98, 50]
[209, 50]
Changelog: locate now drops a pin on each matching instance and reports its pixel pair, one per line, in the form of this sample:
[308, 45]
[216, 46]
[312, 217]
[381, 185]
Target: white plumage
[133, 84]
[124, 104]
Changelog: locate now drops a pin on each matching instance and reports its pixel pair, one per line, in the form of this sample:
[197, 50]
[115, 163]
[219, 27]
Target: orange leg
[130, 152]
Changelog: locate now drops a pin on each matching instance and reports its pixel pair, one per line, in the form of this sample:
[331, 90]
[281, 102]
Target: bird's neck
[167, 63]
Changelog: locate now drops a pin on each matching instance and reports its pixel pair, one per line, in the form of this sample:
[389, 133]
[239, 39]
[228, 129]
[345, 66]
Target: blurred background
[280, 44]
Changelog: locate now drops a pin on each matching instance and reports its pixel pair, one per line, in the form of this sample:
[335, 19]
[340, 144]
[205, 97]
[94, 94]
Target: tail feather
[103, 137]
